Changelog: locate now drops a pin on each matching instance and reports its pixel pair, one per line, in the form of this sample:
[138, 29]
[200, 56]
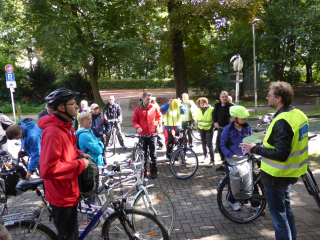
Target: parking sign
[10, 77]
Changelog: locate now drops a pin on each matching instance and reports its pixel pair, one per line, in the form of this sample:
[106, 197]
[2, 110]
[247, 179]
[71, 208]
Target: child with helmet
[231, 137]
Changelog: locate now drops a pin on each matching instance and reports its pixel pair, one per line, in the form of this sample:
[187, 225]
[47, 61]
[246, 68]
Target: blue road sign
[10, 77]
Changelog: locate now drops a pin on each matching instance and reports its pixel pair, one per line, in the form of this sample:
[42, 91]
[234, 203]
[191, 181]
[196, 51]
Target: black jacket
[281, 138]
[112, 112]
[216, 111]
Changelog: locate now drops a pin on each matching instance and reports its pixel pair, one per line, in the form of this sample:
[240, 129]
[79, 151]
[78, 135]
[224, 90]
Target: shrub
[113, 84]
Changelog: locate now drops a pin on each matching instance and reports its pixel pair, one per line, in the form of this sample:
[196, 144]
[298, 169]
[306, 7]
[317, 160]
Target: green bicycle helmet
[239, 112]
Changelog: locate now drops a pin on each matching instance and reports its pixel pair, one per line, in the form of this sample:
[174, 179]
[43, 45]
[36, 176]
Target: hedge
[115, 84]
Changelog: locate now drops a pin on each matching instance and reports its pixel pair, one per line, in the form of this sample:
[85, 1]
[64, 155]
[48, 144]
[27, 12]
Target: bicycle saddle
[3, 153]
[25, 185]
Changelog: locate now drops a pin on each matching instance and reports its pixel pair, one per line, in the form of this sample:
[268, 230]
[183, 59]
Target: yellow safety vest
[297, 162]
[205, 120]
[172, 118]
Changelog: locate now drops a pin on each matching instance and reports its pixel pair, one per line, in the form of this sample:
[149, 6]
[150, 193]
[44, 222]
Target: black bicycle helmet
[59, 96]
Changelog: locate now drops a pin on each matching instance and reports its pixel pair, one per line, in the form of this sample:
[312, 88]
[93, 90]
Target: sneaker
[159, 148]
[167, 159]
[154, 175]
[221, 168]
[235, 206]
[124, 147]
[190, 145]
[211, 164]
[255, 208]
[205, 159]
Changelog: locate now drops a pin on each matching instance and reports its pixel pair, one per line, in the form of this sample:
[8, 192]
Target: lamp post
[254, 66]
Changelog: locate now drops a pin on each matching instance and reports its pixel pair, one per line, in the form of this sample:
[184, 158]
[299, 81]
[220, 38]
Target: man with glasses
[61, 162]
[145, 119]
[113, 111]
[221, 118]
[284, 157]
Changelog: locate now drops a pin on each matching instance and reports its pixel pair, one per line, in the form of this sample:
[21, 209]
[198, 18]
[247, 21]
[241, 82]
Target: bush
[107, 84]
[26, 107]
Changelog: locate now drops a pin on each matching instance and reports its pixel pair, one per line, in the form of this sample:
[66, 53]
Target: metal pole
[254, 71]
[13, 108]
[237, 82]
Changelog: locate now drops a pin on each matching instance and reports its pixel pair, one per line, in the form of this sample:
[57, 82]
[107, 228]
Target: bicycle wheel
[195, 132]
[162, 203]
[138, 225]
[246, 214]
[22, 230]
[312, 188]
[111, 150]
[183, 163]
[3, 199]
[263, 126]
[134, 151]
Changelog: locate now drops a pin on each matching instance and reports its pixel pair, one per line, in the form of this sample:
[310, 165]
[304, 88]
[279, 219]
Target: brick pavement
[197, 213]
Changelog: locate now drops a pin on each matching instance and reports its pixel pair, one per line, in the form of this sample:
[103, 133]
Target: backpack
[240, 176]
[77, 142]
[11, 181]
[88, 179]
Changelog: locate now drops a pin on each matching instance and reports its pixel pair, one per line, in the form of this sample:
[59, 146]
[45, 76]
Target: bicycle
[183, 161]
[264, 122]
[155, 200]
[246, 213]
[195, 131]
[122, 222]
[112, 136]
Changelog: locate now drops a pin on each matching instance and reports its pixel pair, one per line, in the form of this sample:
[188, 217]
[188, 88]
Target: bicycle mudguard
[138, 193]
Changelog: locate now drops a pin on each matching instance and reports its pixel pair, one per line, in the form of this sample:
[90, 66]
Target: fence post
[317, 103]
[19, 112]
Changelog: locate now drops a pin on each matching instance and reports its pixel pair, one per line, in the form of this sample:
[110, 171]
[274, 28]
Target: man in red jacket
[60, 161]
[145, 118]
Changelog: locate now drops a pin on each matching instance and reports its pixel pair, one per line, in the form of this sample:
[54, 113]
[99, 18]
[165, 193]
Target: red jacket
[146, 118]
[58, 162]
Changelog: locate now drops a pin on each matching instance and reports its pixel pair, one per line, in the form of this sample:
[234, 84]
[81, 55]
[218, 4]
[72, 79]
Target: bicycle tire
[195, 132]
[111, 144]
[312, 188]
[184, 163]
[143, 224]
[114, 143]
[3, 205]
[134, 151]
[21, 230]
[263, 126]
[162, 203]
[246, 214]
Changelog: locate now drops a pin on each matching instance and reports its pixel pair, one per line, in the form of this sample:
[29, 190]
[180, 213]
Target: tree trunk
[309, 73]
[180, 70]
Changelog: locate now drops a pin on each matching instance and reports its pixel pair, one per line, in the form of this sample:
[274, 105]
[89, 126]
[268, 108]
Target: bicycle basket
[240, 175]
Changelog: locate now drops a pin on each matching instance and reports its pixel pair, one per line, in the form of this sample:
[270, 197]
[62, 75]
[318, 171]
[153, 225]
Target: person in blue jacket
[30, 134]
[231, 137]
[87, 142]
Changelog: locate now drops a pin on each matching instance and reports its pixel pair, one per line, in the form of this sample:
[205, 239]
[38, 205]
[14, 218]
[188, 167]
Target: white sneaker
[235, 206]
[255, 208]
[205, 159]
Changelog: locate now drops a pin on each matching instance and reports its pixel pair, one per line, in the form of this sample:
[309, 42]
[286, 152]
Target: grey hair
[84, 101]
[225, 92]
[84, 115]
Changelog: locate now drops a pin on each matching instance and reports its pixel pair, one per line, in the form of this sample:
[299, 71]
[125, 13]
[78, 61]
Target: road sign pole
[12, 100]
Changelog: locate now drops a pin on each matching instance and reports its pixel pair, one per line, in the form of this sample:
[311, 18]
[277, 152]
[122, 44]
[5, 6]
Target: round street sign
[9, 68]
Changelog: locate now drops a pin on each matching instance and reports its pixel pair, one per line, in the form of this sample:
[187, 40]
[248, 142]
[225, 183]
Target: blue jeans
[278, 199]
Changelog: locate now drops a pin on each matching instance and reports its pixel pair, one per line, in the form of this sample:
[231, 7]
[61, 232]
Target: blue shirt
[231, 139]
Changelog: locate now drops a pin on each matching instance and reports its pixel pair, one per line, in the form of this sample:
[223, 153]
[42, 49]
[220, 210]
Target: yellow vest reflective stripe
[205, 120]
[297, 162]
[172, 118]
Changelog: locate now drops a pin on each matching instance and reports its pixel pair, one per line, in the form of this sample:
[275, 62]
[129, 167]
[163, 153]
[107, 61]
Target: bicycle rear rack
[17, 217]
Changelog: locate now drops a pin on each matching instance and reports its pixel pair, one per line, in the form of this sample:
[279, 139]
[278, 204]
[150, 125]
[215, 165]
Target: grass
[314, 161]
[26, 107]
[313, 112]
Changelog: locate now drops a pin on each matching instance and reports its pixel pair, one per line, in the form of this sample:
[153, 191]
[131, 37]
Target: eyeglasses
[72, 104]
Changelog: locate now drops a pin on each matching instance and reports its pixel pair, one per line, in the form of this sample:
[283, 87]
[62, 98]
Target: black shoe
[190, 145]
[221, 168]
[154, 175]
[216, 150]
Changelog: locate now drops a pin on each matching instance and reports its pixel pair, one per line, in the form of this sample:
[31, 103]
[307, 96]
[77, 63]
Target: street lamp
[254, 66]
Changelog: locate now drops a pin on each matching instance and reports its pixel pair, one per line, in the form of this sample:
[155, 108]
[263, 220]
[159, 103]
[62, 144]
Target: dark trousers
[206, 141]
[151, 143]
[66, 220]
[119, 135]
[218, 144]
[169, 135]
[184, 127]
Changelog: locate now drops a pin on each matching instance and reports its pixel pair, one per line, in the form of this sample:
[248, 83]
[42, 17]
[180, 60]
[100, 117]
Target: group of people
[52, 145]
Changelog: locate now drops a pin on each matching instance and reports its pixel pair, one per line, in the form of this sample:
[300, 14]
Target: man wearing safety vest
[285, 157]
[171, 112]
